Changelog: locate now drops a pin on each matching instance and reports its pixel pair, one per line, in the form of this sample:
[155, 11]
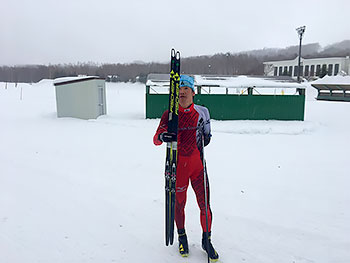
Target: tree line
[244, 63]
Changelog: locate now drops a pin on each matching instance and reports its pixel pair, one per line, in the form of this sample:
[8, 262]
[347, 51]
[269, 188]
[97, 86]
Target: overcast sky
[70, 31]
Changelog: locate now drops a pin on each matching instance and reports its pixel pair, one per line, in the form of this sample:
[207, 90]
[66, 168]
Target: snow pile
[93, 191]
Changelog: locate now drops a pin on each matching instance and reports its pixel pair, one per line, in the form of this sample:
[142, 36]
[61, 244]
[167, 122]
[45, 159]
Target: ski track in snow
[265, 127]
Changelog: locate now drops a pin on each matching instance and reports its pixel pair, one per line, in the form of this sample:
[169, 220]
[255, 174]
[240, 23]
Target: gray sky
[70, 31]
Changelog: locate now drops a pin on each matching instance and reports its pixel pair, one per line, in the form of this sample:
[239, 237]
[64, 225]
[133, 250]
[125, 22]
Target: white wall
[81, 99]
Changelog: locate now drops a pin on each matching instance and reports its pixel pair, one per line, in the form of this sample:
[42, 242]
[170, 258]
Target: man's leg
[182, 181]
[197, 182]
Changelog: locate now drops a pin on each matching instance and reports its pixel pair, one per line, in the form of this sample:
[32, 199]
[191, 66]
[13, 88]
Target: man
[194, 123]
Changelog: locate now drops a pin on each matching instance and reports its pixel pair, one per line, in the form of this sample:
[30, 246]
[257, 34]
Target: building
[310, 67]
[80, 97]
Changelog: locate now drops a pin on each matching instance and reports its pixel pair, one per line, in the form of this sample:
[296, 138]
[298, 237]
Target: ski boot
[183, 244]
[208, 247]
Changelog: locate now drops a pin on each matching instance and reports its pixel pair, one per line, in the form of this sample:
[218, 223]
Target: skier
[194, 123]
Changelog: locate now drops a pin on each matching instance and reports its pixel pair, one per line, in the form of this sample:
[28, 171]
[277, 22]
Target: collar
[186, 110]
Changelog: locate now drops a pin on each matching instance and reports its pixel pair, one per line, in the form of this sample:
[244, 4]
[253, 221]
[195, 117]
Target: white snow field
[76, 191]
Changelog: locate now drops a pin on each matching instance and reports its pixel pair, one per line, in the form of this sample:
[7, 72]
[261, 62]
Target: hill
[229, 63]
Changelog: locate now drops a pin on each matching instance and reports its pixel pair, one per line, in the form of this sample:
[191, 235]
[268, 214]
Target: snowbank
[92, 191]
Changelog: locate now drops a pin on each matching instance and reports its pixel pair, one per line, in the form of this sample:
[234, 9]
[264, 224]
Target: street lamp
[301, 31]
[227, 63]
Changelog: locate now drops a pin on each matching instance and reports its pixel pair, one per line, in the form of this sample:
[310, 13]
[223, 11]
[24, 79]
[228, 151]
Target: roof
[332, 82]
[230, 81]
[304, 59]
[70, 80]
[246, 81]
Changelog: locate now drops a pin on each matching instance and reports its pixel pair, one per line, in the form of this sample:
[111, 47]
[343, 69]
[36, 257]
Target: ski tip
[175, 54]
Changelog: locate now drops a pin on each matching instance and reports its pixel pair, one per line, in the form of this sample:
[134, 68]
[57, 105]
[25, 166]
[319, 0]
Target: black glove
[206, 139]
[167, 137]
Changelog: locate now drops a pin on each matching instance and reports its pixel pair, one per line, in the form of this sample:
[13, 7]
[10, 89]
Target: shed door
[101, 101]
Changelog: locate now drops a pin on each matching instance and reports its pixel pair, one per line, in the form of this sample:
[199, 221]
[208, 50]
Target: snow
[93, 191]
[333, 80]
[244, 82]
[233, 84]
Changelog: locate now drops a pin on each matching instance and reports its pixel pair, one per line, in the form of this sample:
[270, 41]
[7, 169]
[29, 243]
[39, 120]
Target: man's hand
[167, 137]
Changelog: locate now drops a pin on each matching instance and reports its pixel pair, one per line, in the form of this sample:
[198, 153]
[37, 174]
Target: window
[323, 70]
[285, 71]
[295, 71]
[318, 70]
[312, 71]
[301, 71]
[275, 71]
[330, 69]
[280, 71]
[306, 71]
[336, 69]
[290, 70]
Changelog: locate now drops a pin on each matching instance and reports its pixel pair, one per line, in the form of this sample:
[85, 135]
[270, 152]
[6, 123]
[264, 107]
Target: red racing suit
[194, 123]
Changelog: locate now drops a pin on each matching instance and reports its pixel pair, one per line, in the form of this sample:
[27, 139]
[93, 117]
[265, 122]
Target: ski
[171, 149]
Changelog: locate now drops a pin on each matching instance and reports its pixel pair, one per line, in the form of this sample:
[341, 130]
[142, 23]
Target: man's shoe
[183, 244]
[208, 247]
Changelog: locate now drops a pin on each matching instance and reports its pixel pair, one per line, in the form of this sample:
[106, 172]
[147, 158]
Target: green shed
[234, 97]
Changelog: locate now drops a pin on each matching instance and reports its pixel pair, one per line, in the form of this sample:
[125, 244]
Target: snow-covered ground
[93, 191]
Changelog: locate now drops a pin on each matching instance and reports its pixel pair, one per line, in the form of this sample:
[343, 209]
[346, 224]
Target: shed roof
[334, 80]
[338, 82]
[311, 60]
[69, 80]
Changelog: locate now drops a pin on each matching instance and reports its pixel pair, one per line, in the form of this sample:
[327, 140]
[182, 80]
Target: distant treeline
[245, 63]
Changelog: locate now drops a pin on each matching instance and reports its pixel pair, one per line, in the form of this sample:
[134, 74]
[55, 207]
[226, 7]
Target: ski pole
[205, 197]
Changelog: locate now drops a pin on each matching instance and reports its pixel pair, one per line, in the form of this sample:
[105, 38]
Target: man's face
[186, 96]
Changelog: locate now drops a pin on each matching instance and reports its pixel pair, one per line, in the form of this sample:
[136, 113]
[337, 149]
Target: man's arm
[206, 128]
[163, 127]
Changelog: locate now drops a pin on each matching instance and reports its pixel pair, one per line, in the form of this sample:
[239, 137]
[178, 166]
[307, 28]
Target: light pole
[301, 31]
[227, 63]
